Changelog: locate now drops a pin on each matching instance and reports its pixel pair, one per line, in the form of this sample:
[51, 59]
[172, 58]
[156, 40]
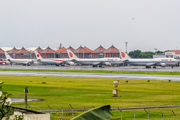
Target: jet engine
[71, 63]
[108, 63]
[163, 64]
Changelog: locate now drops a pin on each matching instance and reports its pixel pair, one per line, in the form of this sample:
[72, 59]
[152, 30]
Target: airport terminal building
[61, 52]
[80, 52]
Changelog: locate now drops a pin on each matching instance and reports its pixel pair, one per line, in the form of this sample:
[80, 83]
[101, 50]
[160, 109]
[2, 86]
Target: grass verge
[99, 71]
[59, 92]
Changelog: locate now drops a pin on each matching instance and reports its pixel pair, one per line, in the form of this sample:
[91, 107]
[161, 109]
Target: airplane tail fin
[71, 54]
[38, 56]
[7, 55]
[123, 55]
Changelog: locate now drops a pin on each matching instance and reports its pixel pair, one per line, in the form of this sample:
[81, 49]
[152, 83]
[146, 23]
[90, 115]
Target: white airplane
[25, 62]
[94, 62]
[163, 62]
[54, 61]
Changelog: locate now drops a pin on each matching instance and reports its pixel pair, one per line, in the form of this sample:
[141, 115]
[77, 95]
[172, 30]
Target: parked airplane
[25, 62]
[163, 62]
[54, 61]
[94, 62]
[3, 62]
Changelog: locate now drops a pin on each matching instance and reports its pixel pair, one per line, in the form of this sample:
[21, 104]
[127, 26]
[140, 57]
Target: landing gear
[94, 65]
[172, 66]
[148, 66]
[154, 67]
[101, 66]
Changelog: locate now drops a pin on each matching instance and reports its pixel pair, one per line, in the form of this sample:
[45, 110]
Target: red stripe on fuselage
[53, 60]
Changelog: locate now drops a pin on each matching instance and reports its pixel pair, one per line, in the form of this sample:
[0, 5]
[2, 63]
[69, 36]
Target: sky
[144, 24]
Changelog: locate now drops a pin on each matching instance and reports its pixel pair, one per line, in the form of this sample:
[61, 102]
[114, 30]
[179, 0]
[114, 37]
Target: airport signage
[169, 53]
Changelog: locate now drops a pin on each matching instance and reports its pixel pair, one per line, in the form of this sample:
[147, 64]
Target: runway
[94, 75]
[121, 68]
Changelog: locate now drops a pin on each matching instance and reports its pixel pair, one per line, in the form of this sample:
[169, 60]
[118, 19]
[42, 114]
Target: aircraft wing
[125, 60]
[73, 60]
[102, 63]
[65, 62]
[150, 64]
[99, 63]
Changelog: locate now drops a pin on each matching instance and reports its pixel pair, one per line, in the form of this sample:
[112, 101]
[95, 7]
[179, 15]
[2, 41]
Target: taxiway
[121, 68]
[94, 75]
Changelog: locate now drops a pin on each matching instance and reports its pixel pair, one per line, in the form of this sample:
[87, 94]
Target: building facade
[81, 52]
[2, 56]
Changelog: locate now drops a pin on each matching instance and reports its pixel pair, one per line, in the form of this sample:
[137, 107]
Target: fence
[121, 113]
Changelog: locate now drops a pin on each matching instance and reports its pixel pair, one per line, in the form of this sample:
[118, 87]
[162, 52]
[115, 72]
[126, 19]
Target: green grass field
[59, 92]
[99, 71]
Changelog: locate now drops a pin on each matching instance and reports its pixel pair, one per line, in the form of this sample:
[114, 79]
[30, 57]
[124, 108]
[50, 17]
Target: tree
[135, 54]
[147, 54]
[159, 52]
[139, 54]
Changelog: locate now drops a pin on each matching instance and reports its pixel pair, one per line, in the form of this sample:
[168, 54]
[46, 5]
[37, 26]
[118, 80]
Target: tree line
[140, 54]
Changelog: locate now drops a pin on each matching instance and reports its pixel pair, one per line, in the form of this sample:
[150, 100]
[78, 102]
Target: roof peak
[48, 47]
[39, 47]
[112, 46]
[101, 46]
[69, 47]
[80, 46]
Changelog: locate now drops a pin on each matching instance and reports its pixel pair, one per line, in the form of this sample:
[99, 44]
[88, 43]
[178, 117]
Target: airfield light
[115, 92]
[26, 92]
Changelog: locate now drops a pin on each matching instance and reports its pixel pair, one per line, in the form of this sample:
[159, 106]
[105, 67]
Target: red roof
[22, 50]
[1, 51]
[100, 49]
[88, 49]
[60, 50]
[14, 50]
[38, 50]
[70, 48]
[112, 49]
[176, 51]
[81, 50]
[48, 50]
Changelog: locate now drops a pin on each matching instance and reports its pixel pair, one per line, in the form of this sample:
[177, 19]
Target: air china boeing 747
[163, 62]
[94, 62]
[54, 61]
[27, 62]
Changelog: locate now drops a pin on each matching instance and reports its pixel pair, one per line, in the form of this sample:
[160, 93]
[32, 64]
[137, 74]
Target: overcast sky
[144, 24]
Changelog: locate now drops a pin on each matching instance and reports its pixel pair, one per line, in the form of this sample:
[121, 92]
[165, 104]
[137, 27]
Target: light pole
[155, 50]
